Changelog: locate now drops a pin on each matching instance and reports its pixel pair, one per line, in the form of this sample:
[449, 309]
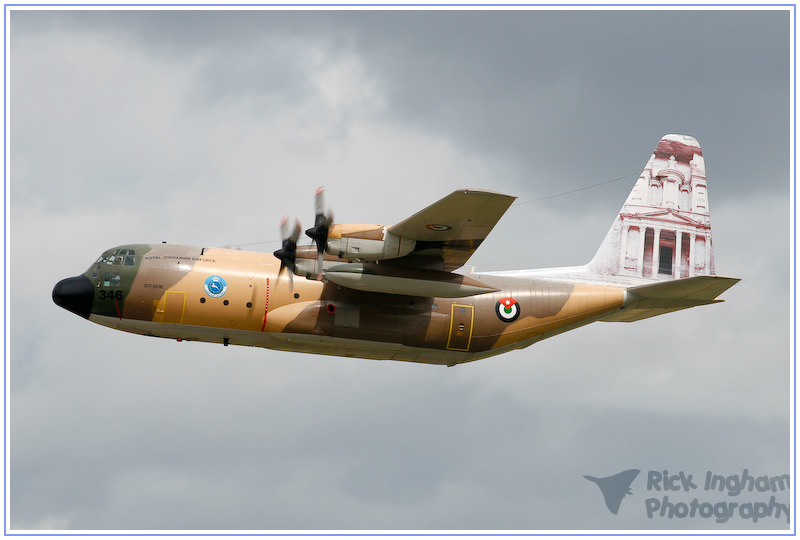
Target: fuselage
[236, 297]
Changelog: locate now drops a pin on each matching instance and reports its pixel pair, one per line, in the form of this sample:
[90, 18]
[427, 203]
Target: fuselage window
[111, 279]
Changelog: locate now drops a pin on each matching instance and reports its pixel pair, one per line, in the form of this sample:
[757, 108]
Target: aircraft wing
[449, 231]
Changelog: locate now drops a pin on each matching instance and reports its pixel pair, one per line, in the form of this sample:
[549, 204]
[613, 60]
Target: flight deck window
[120, 257]
[111, 279]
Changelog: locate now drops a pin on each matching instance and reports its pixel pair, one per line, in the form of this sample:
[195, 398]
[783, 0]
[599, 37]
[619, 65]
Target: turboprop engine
[367, 243]
[341, 242]
[353, 242]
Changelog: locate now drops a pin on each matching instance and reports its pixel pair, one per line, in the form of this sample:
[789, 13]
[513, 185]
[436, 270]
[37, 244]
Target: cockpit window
[115, 257]
[124, 257]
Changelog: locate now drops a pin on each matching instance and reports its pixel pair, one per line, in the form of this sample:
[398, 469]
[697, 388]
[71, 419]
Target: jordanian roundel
[507, 309]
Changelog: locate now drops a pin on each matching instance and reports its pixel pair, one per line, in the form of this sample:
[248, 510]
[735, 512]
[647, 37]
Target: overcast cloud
[205, 127]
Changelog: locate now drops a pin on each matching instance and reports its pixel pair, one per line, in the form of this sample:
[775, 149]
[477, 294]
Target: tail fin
[663, 230]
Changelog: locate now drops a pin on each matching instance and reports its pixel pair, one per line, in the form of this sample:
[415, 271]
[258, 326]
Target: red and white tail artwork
[663, 230]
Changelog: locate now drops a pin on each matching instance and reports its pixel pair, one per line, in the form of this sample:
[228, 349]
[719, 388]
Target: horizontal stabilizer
[408, 282]
[658, 298]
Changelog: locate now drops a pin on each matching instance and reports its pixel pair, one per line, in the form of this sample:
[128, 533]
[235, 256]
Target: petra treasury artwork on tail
[395, 292]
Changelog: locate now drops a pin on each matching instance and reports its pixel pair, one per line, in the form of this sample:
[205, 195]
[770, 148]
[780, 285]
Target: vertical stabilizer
[663, 230]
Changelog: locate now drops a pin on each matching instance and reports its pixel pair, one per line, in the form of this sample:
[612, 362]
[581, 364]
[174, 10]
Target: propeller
[288, 252]
[322, 222]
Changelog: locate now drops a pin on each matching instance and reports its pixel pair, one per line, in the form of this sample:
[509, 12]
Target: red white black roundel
[507, 309]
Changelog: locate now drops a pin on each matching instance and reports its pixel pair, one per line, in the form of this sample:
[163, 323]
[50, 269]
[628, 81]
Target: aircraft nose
[75, 294]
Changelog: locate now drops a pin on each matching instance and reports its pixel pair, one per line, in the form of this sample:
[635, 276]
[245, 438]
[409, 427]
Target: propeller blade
[319, 201]
[322, 222]
[288, 252]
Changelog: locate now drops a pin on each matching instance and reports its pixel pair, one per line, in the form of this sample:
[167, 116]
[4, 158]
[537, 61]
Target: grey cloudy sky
[205, 127]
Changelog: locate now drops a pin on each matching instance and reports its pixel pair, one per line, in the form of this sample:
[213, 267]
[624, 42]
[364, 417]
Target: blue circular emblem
[215, 286]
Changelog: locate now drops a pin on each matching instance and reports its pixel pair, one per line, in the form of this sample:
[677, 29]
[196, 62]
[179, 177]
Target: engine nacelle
[367, 243]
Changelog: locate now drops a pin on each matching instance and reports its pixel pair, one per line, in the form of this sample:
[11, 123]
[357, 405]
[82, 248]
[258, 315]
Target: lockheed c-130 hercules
[393, 293]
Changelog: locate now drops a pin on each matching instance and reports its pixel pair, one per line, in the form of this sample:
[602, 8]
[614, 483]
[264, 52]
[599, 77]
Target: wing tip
[479, 191]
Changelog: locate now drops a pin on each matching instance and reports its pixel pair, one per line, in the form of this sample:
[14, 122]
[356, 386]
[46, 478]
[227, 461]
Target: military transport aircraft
[394, 293]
